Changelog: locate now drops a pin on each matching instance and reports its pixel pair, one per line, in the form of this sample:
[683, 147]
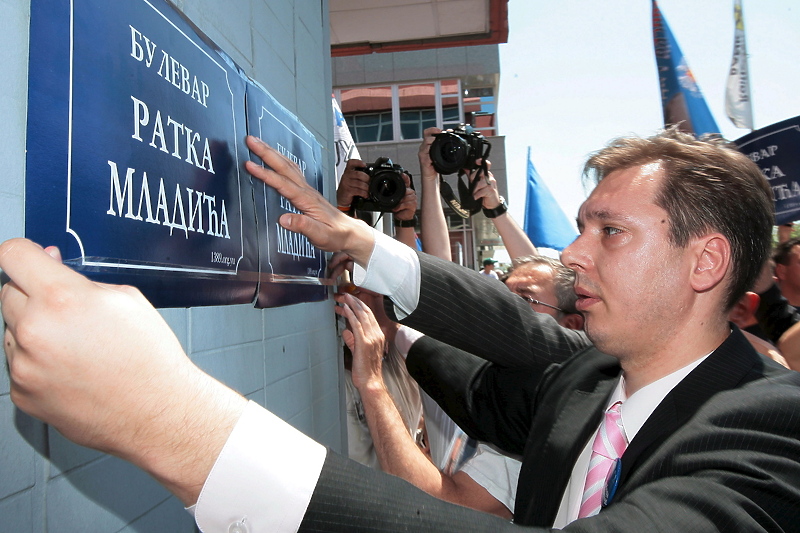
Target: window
[414, 122]
[401, 111]
[451, 104]
[417, 105]
[368, 112]
[369, 127]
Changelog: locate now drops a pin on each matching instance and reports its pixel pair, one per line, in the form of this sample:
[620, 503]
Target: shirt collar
[637, 408]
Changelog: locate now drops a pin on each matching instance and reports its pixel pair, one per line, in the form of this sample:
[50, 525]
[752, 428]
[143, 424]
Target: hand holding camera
[386, 186]
[456, 151]
[354, 183]
[428, 173]
[461, 151]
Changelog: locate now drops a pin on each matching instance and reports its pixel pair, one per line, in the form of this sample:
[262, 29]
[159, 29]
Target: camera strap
[466, 205]
[465, 210]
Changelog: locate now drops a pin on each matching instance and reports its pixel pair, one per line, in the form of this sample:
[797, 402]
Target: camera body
[452, 151]
[386, 186]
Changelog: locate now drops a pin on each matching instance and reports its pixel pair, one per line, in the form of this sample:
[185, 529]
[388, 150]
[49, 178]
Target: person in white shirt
[398, 384]
[675, 231]
[487, 481]
[488, 268]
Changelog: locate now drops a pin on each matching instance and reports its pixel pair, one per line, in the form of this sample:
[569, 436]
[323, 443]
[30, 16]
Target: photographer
[354, 188]
[449, 150]
[354, 197]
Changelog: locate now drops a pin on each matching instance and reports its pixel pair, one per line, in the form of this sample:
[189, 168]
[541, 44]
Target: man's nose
[574, 256]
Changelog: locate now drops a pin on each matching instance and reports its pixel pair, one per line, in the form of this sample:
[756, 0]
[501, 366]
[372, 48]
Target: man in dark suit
[702, 432]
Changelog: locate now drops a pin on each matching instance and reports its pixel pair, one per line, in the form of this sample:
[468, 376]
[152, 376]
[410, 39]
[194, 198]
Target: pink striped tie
[608, 445]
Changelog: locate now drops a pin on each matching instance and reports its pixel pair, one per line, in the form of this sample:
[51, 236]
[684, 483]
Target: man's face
[535, 281]
[789, 275]
[630, 281]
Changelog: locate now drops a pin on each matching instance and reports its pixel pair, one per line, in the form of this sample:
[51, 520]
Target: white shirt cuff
[392, 270]
[263, 479]
[405, 338]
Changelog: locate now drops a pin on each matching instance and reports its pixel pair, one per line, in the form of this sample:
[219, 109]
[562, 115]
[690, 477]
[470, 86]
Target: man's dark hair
[784, 250]
[708, 186]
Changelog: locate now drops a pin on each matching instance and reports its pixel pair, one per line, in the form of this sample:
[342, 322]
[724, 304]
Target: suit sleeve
[353, 498]
[489, 402]
[731, 469]
[478, 315]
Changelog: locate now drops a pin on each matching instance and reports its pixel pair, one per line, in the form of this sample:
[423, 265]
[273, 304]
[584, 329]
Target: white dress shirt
[262, 480]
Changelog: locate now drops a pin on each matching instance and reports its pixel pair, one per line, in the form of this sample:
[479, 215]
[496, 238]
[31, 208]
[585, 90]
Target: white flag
[345, 147]
[738, 104]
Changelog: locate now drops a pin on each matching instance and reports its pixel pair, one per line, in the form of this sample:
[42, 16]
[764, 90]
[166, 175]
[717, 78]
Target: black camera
[452, 151]
[386, 186]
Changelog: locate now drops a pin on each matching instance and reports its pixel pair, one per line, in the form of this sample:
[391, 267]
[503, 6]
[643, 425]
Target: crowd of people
[619, 389]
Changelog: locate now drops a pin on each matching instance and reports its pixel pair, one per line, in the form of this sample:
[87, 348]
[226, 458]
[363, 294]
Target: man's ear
[738, 313]
[780, 272]
[572, 321]
[712, 260]
[744, 310]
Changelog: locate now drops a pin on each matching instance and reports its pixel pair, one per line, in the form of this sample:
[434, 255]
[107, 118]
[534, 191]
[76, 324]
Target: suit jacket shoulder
[464, 309]
[721, 452]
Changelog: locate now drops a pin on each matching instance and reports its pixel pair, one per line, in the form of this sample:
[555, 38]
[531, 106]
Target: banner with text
[136, 127]
[776, 150]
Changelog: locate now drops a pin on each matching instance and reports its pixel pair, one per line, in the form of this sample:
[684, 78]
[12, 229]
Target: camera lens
[387, 188]
[449, 153]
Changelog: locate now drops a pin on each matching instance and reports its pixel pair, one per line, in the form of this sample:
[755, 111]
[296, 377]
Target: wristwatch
[497, 211]
[406, 223]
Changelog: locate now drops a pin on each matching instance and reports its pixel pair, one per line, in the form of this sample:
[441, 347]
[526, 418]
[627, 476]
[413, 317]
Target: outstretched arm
[99, 364]
[397, 452]
[435, 235]
[514, 238]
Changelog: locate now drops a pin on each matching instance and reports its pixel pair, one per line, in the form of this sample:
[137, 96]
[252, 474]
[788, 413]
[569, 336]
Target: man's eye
[611, 231]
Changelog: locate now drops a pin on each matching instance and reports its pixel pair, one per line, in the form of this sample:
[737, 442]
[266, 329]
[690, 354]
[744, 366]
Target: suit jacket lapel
[724, 369]
[567, 432]
[576, 415]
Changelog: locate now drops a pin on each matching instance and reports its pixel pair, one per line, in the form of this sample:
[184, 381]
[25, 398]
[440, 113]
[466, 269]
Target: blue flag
[545, 223]
[681, 98]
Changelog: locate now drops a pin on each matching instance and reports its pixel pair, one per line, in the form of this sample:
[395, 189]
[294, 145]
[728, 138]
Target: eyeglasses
[534, 301]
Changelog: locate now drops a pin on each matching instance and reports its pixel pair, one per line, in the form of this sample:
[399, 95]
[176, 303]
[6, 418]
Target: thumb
[297, 223]
[310, 228]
